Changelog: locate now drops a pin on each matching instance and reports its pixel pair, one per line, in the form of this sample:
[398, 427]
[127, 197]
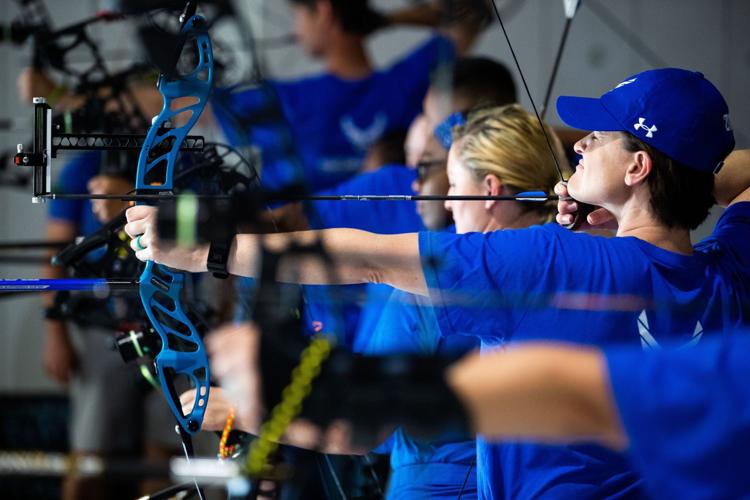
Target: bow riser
[182, 352]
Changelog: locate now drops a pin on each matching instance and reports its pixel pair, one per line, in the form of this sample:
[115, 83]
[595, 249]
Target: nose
[416, 185]
[581, 144]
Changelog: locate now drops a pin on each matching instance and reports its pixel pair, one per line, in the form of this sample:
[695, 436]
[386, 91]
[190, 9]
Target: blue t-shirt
[74, 179]
[444, 467]
[396, 322]
[687, 414]
[330, 121]
[361, 304]
[384, 217]
[547, 282]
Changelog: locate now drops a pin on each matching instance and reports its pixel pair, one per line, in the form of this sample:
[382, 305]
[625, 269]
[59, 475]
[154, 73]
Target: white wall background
[706, 35]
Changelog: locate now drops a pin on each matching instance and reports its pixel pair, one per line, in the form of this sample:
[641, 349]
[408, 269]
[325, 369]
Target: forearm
[350, 256]
[423, 14]
[733, 180]
[551, 393]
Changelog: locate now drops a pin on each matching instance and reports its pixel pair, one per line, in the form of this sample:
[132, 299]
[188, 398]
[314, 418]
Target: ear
[493, 186]
[639, 169]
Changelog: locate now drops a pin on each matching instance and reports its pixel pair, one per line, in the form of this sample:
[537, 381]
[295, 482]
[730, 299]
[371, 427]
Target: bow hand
[141, 227]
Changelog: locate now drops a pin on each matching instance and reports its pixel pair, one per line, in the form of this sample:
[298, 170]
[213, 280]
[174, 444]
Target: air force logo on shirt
[362, 138]
[649, 343]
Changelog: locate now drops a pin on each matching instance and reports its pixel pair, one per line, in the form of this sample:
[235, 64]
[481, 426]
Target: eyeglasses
[423, 168]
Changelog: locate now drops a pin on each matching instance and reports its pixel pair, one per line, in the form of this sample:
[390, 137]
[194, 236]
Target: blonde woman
[498, 151]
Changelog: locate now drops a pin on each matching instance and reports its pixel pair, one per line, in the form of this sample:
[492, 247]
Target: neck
[513, 217]
[347, 58]
[641, 223]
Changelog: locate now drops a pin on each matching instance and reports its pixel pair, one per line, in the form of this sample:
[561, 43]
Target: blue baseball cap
[676, 111]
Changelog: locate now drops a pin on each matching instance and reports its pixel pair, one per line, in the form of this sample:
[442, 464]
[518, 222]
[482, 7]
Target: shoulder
[391, 179]
[428, 53]
[737, 213]
[731, 230]
[435, 43]
[496, 239]
[539, 252]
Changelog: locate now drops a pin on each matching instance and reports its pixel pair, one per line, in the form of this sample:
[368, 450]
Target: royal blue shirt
[330, 121]
[446, 466]
[361, 305]
[74, 179]
[687, 415]
[547, 282]
[384, 217]
[393, 321]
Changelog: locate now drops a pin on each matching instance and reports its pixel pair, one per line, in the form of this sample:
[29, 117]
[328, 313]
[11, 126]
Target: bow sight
[47, 142]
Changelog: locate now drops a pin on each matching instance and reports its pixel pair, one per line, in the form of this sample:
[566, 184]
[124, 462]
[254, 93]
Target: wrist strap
[218, 257]
[53, 313]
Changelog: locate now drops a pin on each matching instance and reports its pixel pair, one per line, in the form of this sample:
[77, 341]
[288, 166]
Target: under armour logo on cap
[641, 125]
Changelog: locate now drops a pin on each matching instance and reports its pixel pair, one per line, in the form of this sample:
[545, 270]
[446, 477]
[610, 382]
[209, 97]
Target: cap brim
[585, 113]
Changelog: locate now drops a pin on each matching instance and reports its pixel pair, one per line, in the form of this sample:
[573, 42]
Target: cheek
[592, 186]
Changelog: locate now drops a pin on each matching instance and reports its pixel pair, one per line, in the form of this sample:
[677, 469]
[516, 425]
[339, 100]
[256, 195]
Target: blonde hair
[507, 142]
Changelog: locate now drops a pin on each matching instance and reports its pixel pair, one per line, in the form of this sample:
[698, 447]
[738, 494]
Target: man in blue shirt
[326, 122]
[658, 138]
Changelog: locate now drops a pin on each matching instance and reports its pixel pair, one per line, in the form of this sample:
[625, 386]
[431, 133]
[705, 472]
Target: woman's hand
[217, 410]
[599, 218]
[141, 227]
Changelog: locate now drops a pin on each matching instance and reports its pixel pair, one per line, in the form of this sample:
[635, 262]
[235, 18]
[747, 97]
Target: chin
[461, 229]
[574, 188]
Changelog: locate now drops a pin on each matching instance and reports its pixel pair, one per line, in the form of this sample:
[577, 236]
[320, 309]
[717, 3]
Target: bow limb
[571, 7]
